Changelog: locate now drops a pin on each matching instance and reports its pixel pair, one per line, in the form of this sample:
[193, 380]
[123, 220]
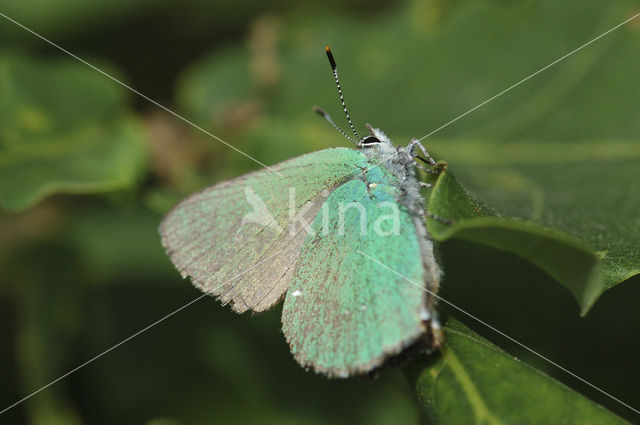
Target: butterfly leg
[427, 158]
[439, 219]
[425, 169]
[416, 143]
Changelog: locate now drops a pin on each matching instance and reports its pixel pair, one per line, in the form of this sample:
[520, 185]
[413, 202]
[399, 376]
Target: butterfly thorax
[398, 162]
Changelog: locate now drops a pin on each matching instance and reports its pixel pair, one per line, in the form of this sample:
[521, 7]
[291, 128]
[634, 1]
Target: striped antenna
[326, 116]
[344, 106]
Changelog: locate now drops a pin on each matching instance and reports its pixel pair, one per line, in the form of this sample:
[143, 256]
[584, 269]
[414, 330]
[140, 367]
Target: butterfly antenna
[335, 76]
[326, 116]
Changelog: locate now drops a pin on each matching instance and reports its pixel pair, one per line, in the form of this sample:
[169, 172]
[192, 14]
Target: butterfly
[305, 230]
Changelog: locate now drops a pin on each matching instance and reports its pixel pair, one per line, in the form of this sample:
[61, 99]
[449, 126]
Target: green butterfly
[305, 230]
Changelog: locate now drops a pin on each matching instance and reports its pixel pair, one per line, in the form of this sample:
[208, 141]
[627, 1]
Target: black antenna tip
[320, 111]
[330, 56]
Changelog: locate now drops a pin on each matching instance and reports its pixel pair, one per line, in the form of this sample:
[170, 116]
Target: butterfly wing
[239, 239]
[343, 313]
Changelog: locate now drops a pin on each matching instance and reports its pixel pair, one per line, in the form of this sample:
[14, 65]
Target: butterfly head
[376, 140]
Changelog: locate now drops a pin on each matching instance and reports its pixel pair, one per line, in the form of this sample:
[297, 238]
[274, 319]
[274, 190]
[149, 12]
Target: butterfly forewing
[235, 239]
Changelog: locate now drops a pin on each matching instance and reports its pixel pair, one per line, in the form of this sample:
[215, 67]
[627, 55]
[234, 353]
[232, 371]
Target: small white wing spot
[425, 315]
[296, 293]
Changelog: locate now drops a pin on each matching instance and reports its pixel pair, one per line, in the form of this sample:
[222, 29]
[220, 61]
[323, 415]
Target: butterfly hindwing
[343, 313]
[239, 240]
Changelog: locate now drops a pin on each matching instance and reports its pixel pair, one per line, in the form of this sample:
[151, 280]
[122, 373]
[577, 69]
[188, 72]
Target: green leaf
[63, 129]
[471, 381]
[562, 207]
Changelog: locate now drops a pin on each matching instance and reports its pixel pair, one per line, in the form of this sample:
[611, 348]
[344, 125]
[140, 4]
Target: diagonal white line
[265, 166]
[103, 353]
[531, 76]
[513, 86]
[501, 333]
[137, 92]
[91, 360]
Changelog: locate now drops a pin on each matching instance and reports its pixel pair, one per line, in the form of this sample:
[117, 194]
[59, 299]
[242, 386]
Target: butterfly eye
[370, 140]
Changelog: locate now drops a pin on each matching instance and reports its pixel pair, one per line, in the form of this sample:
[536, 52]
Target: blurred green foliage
[63, 130]
[81, 273]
